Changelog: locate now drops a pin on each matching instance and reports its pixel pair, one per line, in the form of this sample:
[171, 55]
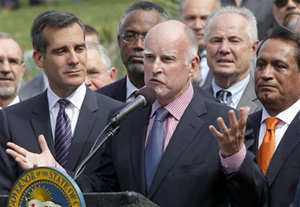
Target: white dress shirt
[286, 117]
[130, 90]
[72, 109]
[236, 90]
[204, 69]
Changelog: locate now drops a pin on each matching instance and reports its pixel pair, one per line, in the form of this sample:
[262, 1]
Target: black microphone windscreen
[148, 93]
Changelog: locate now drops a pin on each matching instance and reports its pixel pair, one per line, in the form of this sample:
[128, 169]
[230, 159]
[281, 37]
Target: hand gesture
[28, 160]
[231, 140]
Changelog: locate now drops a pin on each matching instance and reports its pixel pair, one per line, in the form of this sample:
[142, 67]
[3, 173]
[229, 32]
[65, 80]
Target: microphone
[145, 96]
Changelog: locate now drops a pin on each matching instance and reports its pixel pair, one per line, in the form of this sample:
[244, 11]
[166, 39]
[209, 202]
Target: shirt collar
[15, 101]
[286, 116]
[130, 88]
[45, 79]
[236, 90]
[178, 106]
[76, 98]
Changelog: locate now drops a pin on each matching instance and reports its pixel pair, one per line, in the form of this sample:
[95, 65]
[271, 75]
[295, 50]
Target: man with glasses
[134, 25]
[287, 12]
[12, 69]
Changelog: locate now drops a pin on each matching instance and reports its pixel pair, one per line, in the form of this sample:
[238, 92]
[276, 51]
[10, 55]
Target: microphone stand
[111, 133]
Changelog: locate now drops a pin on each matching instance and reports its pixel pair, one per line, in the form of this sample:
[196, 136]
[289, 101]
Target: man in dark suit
[134, 25]
[30, 129]
[231, 44]
[12, 68]
[277, 81]
[187, 171]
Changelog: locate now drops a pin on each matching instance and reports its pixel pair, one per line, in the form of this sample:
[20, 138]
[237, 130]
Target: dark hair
[50, 19]
[89, 30]
[286, 34]
[144, 6]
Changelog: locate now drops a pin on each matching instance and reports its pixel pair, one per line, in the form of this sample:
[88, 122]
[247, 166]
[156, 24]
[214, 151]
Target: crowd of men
[195, 145]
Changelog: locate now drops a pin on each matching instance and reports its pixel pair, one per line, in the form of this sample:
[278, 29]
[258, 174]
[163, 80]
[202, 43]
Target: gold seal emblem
[45, 186]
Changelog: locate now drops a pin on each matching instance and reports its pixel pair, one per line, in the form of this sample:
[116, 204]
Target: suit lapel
[185, 132]
[120, 93]
[249, 97]
[289, 142]
[41, 120]
[256, 119]
[137, 144]
[83, 129]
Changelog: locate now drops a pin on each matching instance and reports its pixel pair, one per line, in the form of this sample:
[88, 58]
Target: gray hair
[89, 30]
[4, 35]
[251, 29]
[182, 2]
[103, 54]
[192, 49]
[50, 19]
[144, 6]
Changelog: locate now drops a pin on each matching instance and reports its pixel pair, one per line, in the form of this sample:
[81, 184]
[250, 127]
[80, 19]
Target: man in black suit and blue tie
[166, 151]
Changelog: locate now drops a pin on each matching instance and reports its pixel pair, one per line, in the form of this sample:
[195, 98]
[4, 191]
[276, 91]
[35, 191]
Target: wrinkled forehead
[11, 48]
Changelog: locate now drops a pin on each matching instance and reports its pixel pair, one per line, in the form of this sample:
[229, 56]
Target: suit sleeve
[248, 186]
[8, 167]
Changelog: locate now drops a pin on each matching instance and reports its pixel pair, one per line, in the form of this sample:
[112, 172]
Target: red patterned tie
[63, 133]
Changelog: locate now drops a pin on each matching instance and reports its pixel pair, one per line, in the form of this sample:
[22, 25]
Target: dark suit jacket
[189, 173]
[248, 98]
[32, 88]
[297, 197]
[24, 122]
[116, 90]
[284, 170]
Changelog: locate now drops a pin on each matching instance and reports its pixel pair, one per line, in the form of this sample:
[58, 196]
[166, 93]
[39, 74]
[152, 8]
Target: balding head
[170, 59]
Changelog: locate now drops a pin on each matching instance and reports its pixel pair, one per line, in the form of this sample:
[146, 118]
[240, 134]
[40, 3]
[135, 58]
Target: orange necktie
[267, 148]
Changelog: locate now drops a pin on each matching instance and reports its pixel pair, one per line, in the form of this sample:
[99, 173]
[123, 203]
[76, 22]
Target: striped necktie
[225, 97]
[63, 133]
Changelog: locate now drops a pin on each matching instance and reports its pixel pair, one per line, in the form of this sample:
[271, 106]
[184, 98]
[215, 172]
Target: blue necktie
[155, 146]
[63, 133]
[224, 97]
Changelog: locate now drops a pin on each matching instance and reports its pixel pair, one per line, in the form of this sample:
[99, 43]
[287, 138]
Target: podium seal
[45, 186]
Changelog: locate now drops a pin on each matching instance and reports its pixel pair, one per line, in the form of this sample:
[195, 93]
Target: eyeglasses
[131, 37]
[13, 63]
[282, 3]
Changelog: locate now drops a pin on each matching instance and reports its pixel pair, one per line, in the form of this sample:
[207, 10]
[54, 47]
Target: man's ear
[254, 48]
[38, 58]
[113, 74]
[194, 66]
[23, 67]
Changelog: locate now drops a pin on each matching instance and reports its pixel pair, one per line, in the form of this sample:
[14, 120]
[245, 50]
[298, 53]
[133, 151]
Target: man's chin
[136, 69]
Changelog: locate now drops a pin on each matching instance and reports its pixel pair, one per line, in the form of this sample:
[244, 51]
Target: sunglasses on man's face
[282, 3]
